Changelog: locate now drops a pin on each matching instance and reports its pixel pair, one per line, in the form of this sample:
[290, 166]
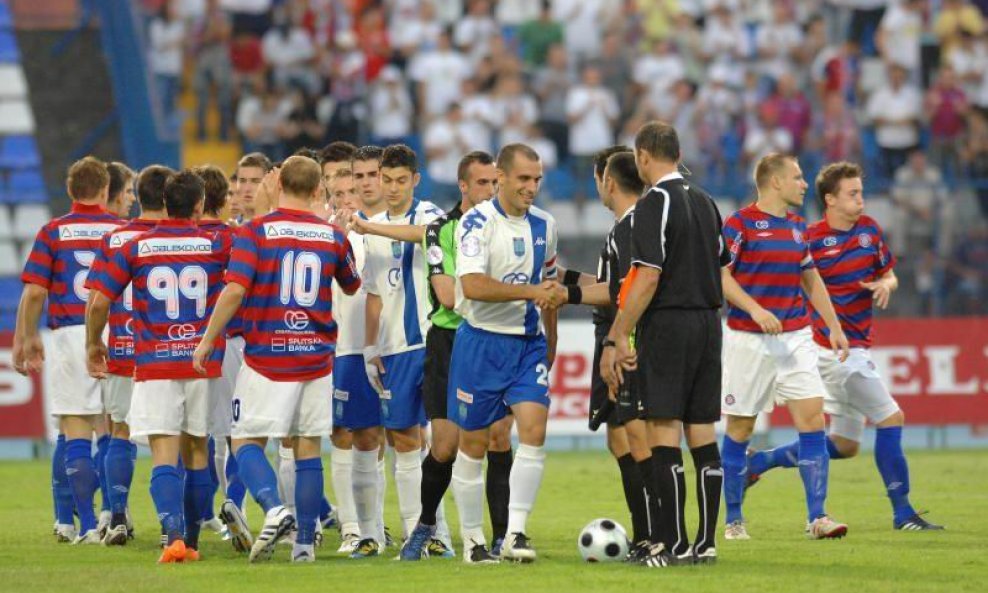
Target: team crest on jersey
[470, 246]
[434, 255]
[519, 246]
[761, 224]
[830, 241]
[296, 320]
[864, 240]
[797, 236]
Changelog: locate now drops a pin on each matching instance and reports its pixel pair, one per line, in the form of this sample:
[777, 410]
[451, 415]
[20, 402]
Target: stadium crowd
[898, 85]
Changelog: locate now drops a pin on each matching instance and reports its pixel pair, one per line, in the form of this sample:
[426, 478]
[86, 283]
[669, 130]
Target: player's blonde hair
[770, 165]
[300, 176]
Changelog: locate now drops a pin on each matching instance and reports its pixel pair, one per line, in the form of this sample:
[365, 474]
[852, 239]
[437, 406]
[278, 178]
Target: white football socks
[382, 490]
[468, 491]
[219, 459]
[525, 479]
[408, 480]
[341, 470]
[286, 477]
[365, 493]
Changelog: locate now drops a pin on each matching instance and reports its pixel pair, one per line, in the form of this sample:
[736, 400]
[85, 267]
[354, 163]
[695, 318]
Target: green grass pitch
[578, 487]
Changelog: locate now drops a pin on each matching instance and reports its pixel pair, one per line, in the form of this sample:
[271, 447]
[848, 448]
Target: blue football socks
[892, 466]
[735, 463]
[814, 466]
[308, 497]
[82, 477]
[167, 494]
[259, 476]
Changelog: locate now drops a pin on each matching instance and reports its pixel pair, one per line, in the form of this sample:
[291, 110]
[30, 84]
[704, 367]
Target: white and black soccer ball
[603, 540]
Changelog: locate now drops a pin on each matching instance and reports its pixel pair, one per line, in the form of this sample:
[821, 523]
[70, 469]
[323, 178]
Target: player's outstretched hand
[839, 344]
[357, 223]
[203, 351]
[766, 320]
[96, 355]
[557, 294]
[880, 292]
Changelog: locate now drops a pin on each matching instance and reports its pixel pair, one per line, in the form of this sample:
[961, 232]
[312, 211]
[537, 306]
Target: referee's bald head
[659, 140]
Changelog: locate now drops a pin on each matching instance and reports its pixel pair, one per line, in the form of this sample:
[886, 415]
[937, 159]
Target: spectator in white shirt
[414, 29]
[166, 36]
[767, 137]
[479, 117]
[438, 74]
[895, 110]
[899, 34]
[592, 110]
[446, 141]
[473, 32]
[656, 71]
[778, 42]
[969, 59]
[724, 37]
[582, 24]
[512, 13]
[261, 120]
[391, 108]
[515, 110]
[289, 53]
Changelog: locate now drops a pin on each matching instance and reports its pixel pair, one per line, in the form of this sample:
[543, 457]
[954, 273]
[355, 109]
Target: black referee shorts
[438, 353]
[679, 368]
[627, 407]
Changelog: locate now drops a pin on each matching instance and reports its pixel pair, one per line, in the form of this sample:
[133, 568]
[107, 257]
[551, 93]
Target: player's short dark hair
[216, 188]
[367, 153]
[475, 156]
[86, 178]
[337, 152]
[400, 155]
[300, 176]
[601, 157]
[506, 156]
[829, 178]
[659, 140]
[622, 169]
[151, 186]
[255, 159]
[120, 174]
[307, 152]
[770, 165]
[183, 191]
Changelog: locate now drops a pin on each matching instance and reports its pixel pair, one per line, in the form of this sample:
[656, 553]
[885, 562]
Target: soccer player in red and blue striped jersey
[853, 257]
[56, 270]
[118, 386]
[769, 352]
[281, 272]
[176, 274]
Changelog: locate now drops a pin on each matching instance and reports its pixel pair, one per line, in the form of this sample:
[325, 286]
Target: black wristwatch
[608, 343]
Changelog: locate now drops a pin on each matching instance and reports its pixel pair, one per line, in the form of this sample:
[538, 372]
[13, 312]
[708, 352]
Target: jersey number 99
[192, 283]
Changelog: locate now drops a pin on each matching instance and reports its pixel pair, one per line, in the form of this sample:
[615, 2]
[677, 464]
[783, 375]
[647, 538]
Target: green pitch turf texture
[578, 487]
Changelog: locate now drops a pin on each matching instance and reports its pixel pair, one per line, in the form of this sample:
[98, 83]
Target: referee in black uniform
[672, 305]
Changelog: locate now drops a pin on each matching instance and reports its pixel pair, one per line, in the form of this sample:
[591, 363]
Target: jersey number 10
[300, 278]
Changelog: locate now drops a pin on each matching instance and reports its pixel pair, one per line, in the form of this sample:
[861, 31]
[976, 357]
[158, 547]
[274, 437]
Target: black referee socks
[709, 481]
[436, 476]
[498, 490]
[634, 495]
[672, 498]
[647, 470]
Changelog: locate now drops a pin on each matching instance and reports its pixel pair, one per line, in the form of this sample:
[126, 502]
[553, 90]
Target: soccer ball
[603, 540]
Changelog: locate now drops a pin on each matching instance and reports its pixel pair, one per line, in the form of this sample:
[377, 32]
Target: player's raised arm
[409, 233]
